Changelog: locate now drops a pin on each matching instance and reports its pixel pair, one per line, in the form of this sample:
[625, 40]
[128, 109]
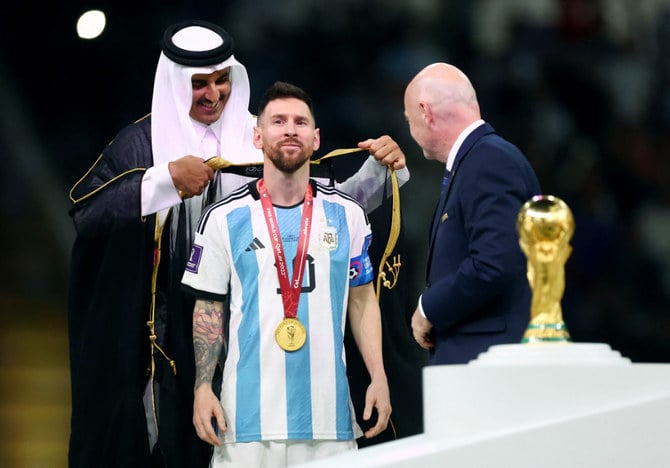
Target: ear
[426, 112]
[258, 138]
[317, 139]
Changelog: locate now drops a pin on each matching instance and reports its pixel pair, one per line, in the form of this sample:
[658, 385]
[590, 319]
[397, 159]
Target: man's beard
[288, 163]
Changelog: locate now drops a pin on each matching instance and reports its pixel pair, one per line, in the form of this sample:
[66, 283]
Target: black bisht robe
[109, 298]
[404, 359]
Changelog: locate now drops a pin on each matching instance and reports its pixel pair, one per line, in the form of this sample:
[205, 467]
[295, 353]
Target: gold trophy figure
[546, 225]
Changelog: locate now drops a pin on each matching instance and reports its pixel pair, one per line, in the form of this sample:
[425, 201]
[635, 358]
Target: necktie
[445, 180]
[440, 205]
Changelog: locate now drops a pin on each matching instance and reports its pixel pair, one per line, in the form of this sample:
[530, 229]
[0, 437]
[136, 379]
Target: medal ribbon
[290, 292]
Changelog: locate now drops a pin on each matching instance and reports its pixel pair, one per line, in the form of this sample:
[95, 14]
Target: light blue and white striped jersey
[269, 393]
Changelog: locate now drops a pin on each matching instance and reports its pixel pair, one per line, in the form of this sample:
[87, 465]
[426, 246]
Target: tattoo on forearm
[207, 339]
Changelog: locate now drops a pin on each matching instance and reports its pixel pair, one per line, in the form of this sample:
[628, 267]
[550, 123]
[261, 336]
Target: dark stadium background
[581, 86]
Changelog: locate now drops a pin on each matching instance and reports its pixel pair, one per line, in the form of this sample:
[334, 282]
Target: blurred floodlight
[91, 24]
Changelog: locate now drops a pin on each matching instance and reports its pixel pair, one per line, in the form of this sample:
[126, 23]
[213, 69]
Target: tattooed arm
[207, 345]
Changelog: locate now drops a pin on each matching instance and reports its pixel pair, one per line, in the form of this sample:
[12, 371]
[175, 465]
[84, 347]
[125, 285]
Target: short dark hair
[283, 90]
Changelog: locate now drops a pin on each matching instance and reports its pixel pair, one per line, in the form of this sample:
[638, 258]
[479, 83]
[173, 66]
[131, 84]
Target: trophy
[546, 225]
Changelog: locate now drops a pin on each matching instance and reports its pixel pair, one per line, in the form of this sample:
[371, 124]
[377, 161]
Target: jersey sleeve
[360, 266]
[208, 269]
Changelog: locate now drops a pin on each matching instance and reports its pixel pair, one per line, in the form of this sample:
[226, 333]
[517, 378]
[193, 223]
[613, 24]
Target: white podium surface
[535, 405]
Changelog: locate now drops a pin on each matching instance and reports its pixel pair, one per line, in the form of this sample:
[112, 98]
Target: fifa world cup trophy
[546, 225]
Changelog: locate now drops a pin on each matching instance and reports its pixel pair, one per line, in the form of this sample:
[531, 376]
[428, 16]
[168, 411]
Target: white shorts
[277, 453]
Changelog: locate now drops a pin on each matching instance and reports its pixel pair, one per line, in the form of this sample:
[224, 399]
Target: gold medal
[290, 334]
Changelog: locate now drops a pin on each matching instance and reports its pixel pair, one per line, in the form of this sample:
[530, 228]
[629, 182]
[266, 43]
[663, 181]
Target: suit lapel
[439, 215]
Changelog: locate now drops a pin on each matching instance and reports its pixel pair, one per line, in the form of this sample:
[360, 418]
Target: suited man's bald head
[440, 102]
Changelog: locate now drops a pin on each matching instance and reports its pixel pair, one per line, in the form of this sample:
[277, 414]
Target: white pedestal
[530, 405]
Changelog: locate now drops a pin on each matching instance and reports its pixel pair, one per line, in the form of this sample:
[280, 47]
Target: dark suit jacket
[477, 293]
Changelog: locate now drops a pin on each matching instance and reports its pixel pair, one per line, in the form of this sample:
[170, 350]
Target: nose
[291, 127]
[212, 93]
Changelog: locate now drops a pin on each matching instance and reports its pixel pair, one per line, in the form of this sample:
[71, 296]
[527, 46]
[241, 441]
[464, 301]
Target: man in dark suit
[476, 293]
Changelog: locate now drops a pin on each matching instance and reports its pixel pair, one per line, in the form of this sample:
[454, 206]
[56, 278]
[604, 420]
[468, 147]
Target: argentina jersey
[269, 393]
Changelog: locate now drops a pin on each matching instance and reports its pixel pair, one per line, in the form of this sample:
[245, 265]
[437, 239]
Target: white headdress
[199, 47]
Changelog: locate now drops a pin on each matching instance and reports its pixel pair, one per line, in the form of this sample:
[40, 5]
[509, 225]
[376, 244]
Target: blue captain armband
[360, 268]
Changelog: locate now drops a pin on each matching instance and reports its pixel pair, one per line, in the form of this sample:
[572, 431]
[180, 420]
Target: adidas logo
[255, 245]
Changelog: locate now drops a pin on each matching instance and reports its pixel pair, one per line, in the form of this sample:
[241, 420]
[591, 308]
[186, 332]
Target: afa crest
[328, 237]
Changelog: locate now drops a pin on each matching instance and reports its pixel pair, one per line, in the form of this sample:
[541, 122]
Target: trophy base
[546, 333]
[540, 353]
